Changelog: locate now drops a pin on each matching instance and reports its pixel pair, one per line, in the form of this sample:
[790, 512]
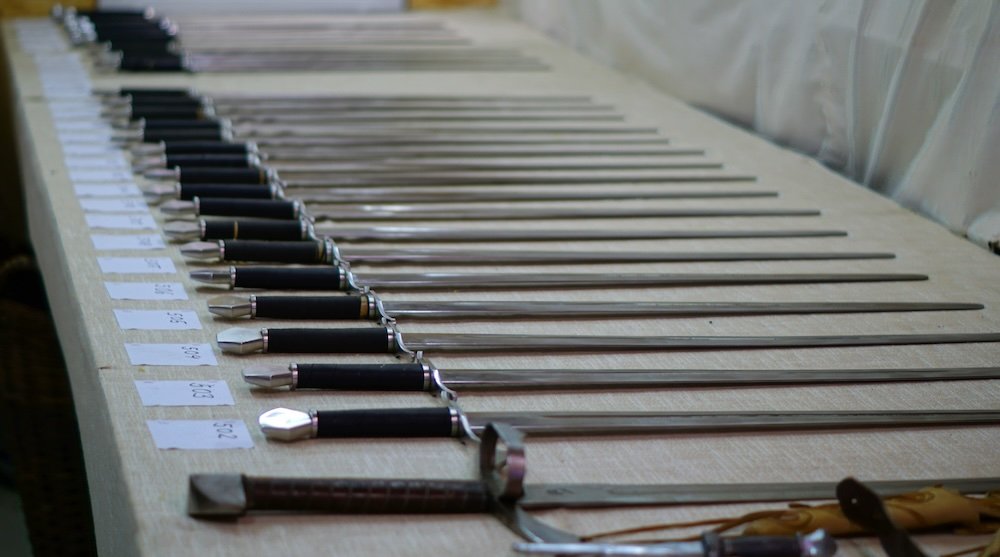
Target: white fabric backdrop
[901, 96]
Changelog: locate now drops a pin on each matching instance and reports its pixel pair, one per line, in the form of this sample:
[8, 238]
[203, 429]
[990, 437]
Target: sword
[424, 377]
[301, 229]
[372, 307]
[389, 340]
[338, 278]
[325, 252]
[287, 425]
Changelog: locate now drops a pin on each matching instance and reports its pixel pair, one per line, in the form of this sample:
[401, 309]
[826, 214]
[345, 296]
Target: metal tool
[389, 340]
[284, 424]
[301, 229]
[326, 252]
[343, 279]
[424, 377]
[372, 307]
[865, 508]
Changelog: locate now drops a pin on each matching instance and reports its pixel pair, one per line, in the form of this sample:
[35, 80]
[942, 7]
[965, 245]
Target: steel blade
[447, 195]
[369, 117]
[550, 496]
[395, 165]
[521, 132]
[501, 179]
[454, 342]
[410, 212]
[478, 151]
[481, 281]
[543, 379]
[624, 423]
[403, 233]
[374, 139]
[428, 256]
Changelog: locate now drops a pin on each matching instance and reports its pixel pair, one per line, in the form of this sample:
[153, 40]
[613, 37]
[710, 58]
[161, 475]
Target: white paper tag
[81, 125]
[137, 265]
[77, 137]
[185, 393]
[86, 149]
[146, 290]
[121, 222]
[127, 242]
[200, 434]
[157, 319]
[127, 205]
[100, 175]
[113, 190]
[80, 111]
[192, 354]
[108, 160]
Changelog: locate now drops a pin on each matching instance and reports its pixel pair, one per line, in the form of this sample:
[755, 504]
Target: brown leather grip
[366, 496]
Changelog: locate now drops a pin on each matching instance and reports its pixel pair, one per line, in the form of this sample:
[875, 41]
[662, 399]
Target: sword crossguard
[502, 463]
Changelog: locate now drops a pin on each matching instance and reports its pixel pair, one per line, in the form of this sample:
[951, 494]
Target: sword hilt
[366, 340]
[313, 307]
[151, 135]
[258, 208]
[238, 192]
[207, 147]
[302, 252]
[211, 175]
[279, 230]
[413, 377]
[218, 160]
[277, 278]
[394, 422]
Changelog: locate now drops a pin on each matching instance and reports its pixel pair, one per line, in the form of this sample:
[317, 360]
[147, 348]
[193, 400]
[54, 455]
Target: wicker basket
[39, 428]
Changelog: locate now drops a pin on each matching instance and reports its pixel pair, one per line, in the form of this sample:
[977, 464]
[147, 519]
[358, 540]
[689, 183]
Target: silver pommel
[271, 377]
[242, 341]
[233, 307]
[284, 424]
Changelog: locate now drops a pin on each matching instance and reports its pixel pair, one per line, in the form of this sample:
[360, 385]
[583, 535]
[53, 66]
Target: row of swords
[268, 180]
[141, 40]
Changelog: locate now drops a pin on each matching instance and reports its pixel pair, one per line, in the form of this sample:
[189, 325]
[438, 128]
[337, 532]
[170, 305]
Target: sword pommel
[182, 230]
[241, 341]
[284, 424]
[269, 377]
[216, 496]
[175, 206]
[231, 307]
[202, 251]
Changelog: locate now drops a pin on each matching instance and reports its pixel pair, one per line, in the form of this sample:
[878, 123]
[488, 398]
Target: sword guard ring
[502, 463]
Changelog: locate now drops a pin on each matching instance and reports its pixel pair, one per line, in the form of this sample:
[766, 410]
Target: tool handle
[164, 63]
[358, 496]
[259, 208]
[209, 175]
[303, 252]
[151, 113]
[205, 147]
[152, 92]
[169, 103]
[363, 377]
[183, 134]
[224, 191]
[313, 307]
[277, 278]
[182, 124]
[224, 160]
[762, 546]
[287, 230]
[386, 422]
[365, 340]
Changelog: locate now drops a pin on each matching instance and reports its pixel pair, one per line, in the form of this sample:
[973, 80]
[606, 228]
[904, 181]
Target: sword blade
[367, 117]
[429, 256]
[454, 342]
[394, 165]
[402, 233]
[370, 139]
[502, 310]
[448, 195]
[408, 212]
[487, 380]
[418, 281]
[623, 423]
[479, 151]
[549, 496]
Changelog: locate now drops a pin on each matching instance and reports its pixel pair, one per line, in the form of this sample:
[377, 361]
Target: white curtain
[901, 96]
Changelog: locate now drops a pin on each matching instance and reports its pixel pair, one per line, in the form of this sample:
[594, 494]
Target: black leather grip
[762, 546]
[223, 160]
[385, 422]
[139, 63]
[366, 340]
[142, 92]
[258, 208]
[363, 377]
[209, 175]
[278, 230]
[183, 134]
[151, 113]
[279, 278]
[304, 252]
[181, 124]
[359, 496]
[225, 192]
[205, 148]
[142, 103]
[312, 307]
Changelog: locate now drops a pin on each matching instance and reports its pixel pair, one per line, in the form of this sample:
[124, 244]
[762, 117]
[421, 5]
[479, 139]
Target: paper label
[127, 242]
[157, 320]
[82, 150]
[137, 265]
[113, 190]
[107, 160]
[185, 393]
[191, 354]
[128, 205]
[200, 434]
[146, 290]
[77, 137]
[121, 222]
[81, 124]
[100, 175]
